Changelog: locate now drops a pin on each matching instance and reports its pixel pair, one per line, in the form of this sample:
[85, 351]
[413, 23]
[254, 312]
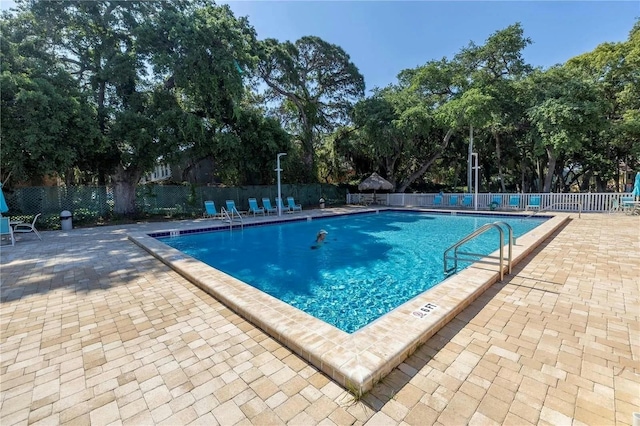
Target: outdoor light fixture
[278, 169]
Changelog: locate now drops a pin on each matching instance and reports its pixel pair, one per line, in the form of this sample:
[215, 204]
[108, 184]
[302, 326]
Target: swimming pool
[369, 265]
[354, 360]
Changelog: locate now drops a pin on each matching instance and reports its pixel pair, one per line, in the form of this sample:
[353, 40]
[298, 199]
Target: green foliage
[315, 83]
[47, 125]
[104, 90]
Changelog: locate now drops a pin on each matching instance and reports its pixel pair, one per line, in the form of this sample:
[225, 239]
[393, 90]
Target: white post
[278, 169]
[470, 160]
[475, 198]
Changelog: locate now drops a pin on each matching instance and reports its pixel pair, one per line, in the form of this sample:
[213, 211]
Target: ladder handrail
[484, 228]
[578, 203]
[512, 241]
[230, 218]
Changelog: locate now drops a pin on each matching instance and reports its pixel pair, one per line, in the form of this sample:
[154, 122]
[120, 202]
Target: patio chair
[496, 202]
[514, 202]
[293, 206]
[615, 205]
[437, 200]
[281, 205]
[6, 230]
[628, 205]
[253, 207]
[366, 199]
[210, 210]
[467, 200]
[534, 202]
[25, 228]
[266, 203]
[231, 208]
[453, 201]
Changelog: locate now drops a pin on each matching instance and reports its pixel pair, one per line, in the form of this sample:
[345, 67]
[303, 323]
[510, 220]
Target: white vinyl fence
[568, 202]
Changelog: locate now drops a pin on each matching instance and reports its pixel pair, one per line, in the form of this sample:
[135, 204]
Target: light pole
[278, 169]
[474, 156]
[470, 160]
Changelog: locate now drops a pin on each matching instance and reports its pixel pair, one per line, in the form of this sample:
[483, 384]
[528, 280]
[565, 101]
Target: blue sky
[385, 37]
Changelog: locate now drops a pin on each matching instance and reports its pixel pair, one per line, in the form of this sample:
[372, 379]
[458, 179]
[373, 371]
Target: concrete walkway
[96, 331]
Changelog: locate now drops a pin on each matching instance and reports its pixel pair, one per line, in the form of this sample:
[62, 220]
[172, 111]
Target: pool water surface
[368, 265]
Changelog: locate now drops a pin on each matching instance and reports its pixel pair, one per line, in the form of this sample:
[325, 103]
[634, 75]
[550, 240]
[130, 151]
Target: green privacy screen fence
[90, 203]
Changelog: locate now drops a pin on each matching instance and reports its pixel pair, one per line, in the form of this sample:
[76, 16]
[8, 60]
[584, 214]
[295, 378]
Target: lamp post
[470, 160]
[474, 156]
[278, 169]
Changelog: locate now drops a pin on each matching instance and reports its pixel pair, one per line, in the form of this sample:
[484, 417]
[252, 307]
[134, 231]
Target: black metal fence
[91, 204]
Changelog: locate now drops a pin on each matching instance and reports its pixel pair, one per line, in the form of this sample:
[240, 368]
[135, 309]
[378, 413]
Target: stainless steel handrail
[512, 241]
[230, 218]
[479, 231]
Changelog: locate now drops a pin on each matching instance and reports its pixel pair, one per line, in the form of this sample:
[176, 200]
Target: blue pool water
[368, 265]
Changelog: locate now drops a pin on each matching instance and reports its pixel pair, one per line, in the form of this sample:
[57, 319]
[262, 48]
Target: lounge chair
[534, 202]
[615, 205]
[281, 205]
[231, 208]
[514, 201]
[628, 205]
[496, 202]
[253, 207]
[437, 200]
[453, 201]
[293, 206]
[467, 200]
[210, 209]
[266, 203]
[6, 229]
[25, 228]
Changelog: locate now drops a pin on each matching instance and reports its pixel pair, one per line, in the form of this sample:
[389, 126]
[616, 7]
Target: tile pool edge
[359, 360]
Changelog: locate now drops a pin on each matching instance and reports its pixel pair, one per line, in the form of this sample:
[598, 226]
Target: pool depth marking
[359, 360]
[424, 310]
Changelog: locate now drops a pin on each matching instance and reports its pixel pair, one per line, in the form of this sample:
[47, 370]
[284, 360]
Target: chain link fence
[93, 204]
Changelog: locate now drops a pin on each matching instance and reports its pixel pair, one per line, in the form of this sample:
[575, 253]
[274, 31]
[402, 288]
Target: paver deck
[94, 330]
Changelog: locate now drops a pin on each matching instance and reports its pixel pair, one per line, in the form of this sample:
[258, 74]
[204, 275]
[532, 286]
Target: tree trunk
[523, 186]
[124, 191]
[584, 185]
[551, 167]
[425, 166]
[499, 161]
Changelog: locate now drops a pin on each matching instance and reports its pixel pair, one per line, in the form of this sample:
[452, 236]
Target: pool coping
[359, 360]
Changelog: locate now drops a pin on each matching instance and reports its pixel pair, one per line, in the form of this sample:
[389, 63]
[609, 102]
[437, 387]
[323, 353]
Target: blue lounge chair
[514, 201]
[437, 200]
[496, 202]
[281, 205]
[453, 201]
[210, 209]
[267, 206]
[253, 207]
[628, 204]
[231, 208]
[467, 200]
[6, 230]
[293, 206]
[615, 205]
[534, 202]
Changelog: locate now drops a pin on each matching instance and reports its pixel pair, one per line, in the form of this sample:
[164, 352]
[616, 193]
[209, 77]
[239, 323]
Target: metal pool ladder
[459, 255]
[231, 215]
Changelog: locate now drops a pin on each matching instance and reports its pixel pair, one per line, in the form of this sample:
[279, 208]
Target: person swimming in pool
[320, 237]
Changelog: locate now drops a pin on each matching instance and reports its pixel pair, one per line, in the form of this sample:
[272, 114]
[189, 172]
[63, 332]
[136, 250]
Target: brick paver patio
[97, 331]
